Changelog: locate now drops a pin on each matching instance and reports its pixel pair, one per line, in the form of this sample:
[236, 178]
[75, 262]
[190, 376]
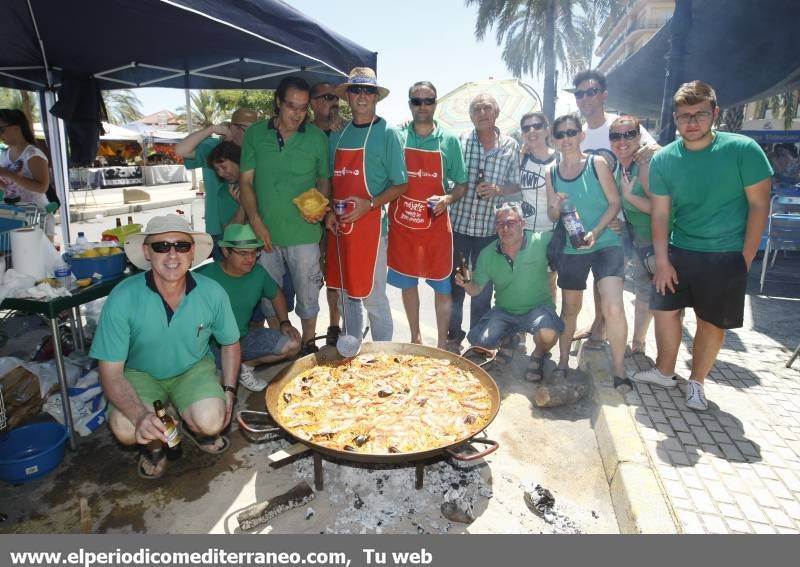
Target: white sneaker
[654, 376]
[696, 396]
[248, 379]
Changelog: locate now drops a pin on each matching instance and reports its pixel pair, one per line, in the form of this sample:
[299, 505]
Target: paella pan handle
[255, 416]
[493, 446]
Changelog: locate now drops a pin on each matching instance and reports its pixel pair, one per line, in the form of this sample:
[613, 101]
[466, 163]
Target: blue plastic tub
[106, 266]
[31, 451]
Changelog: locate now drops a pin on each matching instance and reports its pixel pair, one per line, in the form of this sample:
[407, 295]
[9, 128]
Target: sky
[415, 39]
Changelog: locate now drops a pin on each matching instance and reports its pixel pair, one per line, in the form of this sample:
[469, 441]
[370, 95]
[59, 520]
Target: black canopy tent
[747, 50]
[221, 44]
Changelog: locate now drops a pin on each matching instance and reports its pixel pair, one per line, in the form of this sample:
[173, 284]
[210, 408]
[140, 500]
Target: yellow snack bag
[311, 203]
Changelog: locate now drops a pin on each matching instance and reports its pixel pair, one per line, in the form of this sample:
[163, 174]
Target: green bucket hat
[240, 236]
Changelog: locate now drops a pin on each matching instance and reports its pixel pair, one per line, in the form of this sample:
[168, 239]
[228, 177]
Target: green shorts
[200, 382]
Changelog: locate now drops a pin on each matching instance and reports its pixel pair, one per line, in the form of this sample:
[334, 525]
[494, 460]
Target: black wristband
[231, 389]
[285, 321]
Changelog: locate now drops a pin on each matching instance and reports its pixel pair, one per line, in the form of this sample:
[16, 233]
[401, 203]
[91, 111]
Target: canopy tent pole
[190, 129]
[676, 56]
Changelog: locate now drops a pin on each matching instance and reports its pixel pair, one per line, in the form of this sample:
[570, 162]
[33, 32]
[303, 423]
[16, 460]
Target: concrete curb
[640, 501]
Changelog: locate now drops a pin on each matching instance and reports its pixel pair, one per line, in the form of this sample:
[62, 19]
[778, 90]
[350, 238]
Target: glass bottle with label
[171, 432]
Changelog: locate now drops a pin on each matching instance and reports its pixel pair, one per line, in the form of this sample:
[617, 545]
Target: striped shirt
[471, 215]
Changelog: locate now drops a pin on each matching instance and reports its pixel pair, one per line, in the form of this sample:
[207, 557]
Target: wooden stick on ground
[262, 512]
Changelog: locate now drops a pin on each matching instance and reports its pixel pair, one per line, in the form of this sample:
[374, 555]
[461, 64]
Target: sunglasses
[253, 252]
[535, 126]
[362, 89]
[507, 224]
[163, 247]
[570, 133]
[329, 97]
[628, 135]
[588, 92]
[419, 101]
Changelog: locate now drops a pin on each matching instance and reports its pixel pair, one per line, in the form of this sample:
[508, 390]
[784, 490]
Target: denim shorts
[256, 343]
[498, 324]
[403, 281]
[303, 263]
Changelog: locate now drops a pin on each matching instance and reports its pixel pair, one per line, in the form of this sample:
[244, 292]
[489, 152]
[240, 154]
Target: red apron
[359, 241]
[420, 244]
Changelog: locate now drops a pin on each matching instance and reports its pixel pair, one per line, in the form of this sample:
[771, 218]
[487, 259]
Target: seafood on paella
[385, 403]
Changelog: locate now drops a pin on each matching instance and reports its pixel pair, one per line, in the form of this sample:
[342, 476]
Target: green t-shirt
[134, 329]
[586, 194]
[638, 220]
[521, 285]
[448, 144]
[709, 204]
[385, 162]
[283, 173]
[220, 206]
[245, 292]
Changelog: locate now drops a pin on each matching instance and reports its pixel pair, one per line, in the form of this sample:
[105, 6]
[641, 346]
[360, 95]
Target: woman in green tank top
[625, 139]
[589, 184]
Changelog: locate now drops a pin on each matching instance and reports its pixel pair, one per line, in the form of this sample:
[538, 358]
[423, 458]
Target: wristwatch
[231, 389]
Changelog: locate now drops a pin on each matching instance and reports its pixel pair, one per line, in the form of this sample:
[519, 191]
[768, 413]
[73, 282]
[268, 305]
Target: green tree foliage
[259, 100]
[123, 106]
[204, 108]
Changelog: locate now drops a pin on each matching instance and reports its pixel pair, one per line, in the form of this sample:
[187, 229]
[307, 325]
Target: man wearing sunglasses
[152, 343]
[369, 171]
[281, 158]
[247, 283]
[195, 149]
[516, 263]
[717, 186]
[420, 234]
[492, 161]
[590, 96]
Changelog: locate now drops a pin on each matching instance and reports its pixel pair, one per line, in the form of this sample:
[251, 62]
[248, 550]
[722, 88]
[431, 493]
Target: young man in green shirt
[516, 263]
[247, 283]
[282, 158]
[716, 185]
[152, 344]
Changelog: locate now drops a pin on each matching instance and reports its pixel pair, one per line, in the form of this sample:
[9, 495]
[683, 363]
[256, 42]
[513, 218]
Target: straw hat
[240, 236]
[161, 225]
[361, 76]
[244, 116]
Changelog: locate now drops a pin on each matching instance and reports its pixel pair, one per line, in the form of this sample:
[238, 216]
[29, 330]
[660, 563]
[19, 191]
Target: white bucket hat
[163, 224]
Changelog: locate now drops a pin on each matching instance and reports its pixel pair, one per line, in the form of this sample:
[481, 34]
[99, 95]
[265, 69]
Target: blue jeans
[255, 344]
[498, 324]
[470, 247]
[376, 304]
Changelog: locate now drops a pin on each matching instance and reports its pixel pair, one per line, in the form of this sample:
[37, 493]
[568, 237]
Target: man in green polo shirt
[152, 344]
[247, 283]
[282, 158]
[516, 263]
[195, 149]
[715, 187]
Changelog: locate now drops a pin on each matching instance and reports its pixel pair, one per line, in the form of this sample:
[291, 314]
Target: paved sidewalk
[736, 467]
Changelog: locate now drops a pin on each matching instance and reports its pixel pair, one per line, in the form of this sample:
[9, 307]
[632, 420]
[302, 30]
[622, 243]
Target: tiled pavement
[736, 467]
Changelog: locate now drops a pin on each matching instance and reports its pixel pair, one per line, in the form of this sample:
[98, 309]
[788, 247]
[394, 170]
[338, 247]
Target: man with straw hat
[369, 171]
[152, 344]
[247, 283]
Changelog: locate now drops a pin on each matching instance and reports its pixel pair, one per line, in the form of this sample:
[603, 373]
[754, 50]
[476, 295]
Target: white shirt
[22, 167]
[596, 140]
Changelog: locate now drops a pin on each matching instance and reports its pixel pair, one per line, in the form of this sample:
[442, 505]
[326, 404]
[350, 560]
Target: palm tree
[784, 105]
[205, 110]
[541, 35]
[123, 106]
[20, 100]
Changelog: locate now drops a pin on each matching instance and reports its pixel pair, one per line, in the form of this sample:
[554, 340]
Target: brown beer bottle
[478, 180]
[464, 270]
[172, 432]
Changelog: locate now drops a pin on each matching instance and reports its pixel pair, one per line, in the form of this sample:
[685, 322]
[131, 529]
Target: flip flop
[205, 444]
[156, 458]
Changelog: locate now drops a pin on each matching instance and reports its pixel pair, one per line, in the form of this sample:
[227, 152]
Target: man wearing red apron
[420, 233]
[368, 172]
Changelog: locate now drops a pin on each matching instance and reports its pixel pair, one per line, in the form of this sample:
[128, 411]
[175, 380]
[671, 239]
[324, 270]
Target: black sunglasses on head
[628, 135]
[163, 247]
[570, 133]
[535, 126]
[362, 89]
[328, 96]
[588, 92]
[419, 101]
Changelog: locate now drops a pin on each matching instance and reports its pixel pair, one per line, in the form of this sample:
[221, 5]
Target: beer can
[432, 202]
[339, 207]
